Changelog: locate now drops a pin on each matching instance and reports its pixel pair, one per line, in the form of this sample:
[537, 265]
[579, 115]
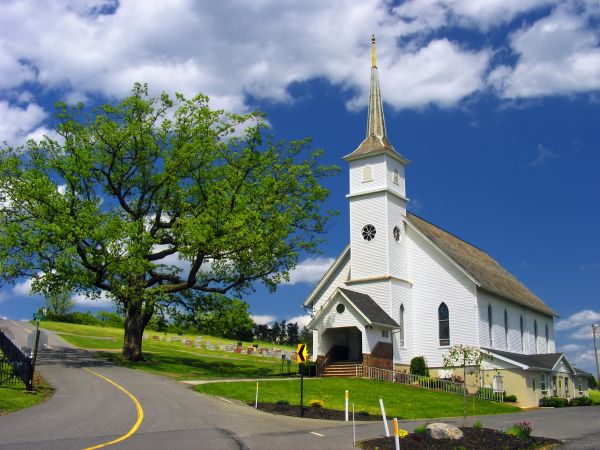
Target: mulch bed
[485, 438]
[312, 413]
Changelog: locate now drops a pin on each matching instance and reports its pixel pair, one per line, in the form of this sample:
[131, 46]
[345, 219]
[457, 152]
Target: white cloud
[583, 318]
[3, 297]
[427, 14]
[23, 288]
[263, 319]
[310, 270]
[558, 55]
[17, 124]
[228, 50]
[102, 301]
[301, 320]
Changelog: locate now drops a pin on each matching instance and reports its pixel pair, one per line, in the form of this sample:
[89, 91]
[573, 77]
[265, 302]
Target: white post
[385, 424]
[396, 438]
[346, 405]
[256, 401]
[353, 427]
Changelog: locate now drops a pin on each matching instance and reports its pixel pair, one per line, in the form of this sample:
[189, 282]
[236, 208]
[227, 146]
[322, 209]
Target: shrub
[363, 413]
[554, 402]
[582, 401]
[478, 425]
[510, 398]
[316, 403]
[282, 402]
[418, 366]
[520, 429]
[421, 429]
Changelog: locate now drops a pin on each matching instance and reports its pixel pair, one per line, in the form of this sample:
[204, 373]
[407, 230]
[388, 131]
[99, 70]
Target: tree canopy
[155, 199]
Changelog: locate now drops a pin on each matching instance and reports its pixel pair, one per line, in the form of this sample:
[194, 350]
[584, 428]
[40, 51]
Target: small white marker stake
[346, 405]
[385, 424]
[396, 438]
[256, 401]
[353, 427]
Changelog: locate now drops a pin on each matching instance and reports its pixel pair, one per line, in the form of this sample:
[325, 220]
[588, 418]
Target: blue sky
[496, 103]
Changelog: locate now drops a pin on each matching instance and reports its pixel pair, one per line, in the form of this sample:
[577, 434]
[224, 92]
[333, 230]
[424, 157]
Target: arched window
[535, 335]
[396, 177]
[490, 323]
[547, 340]
[444, 322]
[522, 334]
[506, 328]
[401, 331]
[367, 173]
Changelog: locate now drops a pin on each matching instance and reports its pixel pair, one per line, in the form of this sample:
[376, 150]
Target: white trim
[327, 307]
[377, 190]
[336, 264]
[566, 361]
[505, 359]
[458, 266]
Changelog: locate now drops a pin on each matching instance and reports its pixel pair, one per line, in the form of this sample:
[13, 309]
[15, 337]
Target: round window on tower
[340, 308]
[368, 232]
[396, 233]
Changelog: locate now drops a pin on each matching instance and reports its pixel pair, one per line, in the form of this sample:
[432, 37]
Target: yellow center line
[140, 413]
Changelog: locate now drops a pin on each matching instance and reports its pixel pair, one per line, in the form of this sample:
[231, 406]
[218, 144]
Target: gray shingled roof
[539, 361]
[582, 373]
[489, 274]
[369, 308]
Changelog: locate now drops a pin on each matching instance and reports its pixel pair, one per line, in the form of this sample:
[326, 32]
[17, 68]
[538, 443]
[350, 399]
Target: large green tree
[154, 198]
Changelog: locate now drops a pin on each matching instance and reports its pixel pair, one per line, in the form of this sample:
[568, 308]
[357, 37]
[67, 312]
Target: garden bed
[484, 438]
[313, 413]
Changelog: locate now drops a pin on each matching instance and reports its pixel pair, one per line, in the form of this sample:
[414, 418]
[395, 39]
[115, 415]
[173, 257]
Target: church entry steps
[343, 369]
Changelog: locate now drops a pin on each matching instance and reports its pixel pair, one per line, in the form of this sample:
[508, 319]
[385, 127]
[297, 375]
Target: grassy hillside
[173, 359]
[400, 401]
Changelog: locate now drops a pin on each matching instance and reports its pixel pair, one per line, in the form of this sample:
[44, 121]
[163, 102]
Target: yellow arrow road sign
[301, 354]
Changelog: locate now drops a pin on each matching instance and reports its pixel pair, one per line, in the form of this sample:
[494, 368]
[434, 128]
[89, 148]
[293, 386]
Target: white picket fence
[453, 387]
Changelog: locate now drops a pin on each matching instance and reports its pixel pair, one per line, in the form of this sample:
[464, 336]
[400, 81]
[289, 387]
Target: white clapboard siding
[435, 280]
[396, 249]
[402, 295]
[391, 165]
[369, 258]
[379, 290]
[335, 280]
[515, 311]
[378, 174]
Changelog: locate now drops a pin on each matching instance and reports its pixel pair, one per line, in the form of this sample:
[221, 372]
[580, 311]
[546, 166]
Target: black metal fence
[15, 366]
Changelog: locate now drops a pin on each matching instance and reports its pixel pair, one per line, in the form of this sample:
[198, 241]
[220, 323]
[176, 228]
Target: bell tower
[377, 197]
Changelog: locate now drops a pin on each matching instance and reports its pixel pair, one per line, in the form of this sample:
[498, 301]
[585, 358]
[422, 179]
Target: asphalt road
[87, 410]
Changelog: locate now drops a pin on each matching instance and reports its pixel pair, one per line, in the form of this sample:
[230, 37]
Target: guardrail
[14, 364]
[452, 387]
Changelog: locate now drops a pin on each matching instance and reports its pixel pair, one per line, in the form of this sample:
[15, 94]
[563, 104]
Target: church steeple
[376, 137]
[376, 121]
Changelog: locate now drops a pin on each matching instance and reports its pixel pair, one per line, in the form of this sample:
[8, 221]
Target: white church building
[405, 287]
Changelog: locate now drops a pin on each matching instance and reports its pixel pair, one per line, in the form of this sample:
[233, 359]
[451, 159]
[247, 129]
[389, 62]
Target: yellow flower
[402, 434]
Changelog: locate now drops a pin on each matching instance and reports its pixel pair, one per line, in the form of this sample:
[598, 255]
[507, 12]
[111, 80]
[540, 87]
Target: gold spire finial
[373, 62]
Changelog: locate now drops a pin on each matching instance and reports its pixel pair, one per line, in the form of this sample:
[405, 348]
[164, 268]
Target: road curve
[86, 410]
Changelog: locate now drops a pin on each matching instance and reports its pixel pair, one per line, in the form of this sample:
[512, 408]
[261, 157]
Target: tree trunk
[134, 330]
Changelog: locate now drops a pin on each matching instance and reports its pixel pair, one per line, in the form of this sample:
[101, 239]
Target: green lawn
[400, 401]
[15, 398]
[595, 396]
[173, 359]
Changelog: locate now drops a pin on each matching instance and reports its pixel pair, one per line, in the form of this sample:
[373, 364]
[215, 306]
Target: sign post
[37, 317]
[301, 354]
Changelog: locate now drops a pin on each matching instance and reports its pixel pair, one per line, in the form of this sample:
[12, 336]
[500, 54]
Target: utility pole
[596, 334]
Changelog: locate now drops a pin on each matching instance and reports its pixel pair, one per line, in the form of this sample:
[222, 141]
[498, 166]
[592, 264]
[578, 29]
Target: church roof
[545, 361]
[369, 307]
[376, 139]
[488, 273]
